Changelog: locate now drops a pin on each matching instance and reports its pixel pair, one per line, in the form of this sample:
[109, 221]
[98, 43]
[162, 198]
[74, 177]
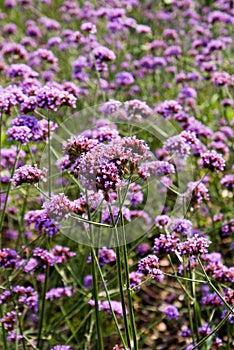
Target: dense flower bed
[116, 174]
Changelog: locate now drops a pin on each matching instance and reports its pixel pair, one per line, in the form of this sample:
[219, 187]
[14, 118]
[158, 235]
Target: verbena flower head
[19, 133]
[150, 266]
[39, 128]
[165, 243]
[53, 98]
[58, 206]
[199, 193]
[221, 78]
[104, 166]
[135, 279]
[194, 246]
[28, 174]
[182, 226]
[124, 78]
[56, 293]
[162, 221]
[137, 108]
[61, 254]
[213, 161]
[43, 224]
[8, 258]
[61, 347]
[105, 256]
[171, 312]
[8, 156]
[168, 107]
[181, 144]
[102, 55]
[228, 181]
[155, 168]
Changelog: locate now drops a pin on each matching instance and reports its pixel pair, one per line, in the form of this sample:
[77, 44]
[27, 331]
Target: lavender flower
[53, 98]
[171, 312]
[162, 220]
[156, 168]
[212, 160]
[182, 226]
[61, 254]
[166, 108]
[150, 266]
[19, 133]
[56, 293]
[165, 243]
[28, 174]
[8, 258]
[58, 206]
[228, 181]
[199, 193]
[124, 78]
[105, 256]
[193, 246]
[135, 279]
[61, 347]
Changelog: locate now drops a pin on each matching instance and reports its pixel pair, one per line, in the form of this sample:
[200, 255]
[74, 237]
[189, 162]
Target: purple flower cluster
[150, 266]
[199, 193]
[181, 144]
[182, 226]
[171, 312]
[162, 221]
[43, 224]
[156, 168]
[213, 161]
[105, 256]
[64, 53]
[105, 306]
[194, 246]
[56, 293]
[28, 128]
[165, 243]
[167, 108]
[28, 174]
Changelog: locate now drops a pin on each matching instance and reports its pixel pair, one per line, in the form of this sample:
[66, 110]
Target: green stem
[7, 193]
[42, 314]
[126, 267]
[214, 288]
[195, 304]
[95, 296]
[120, 278]
[130, 304]
[109, 300]
[95, 282]
[4, 338]
[203, 340]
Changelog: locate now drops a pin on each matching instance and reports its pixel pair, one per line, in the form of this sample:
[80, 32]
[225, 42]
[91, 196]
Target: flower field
[117, 175]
